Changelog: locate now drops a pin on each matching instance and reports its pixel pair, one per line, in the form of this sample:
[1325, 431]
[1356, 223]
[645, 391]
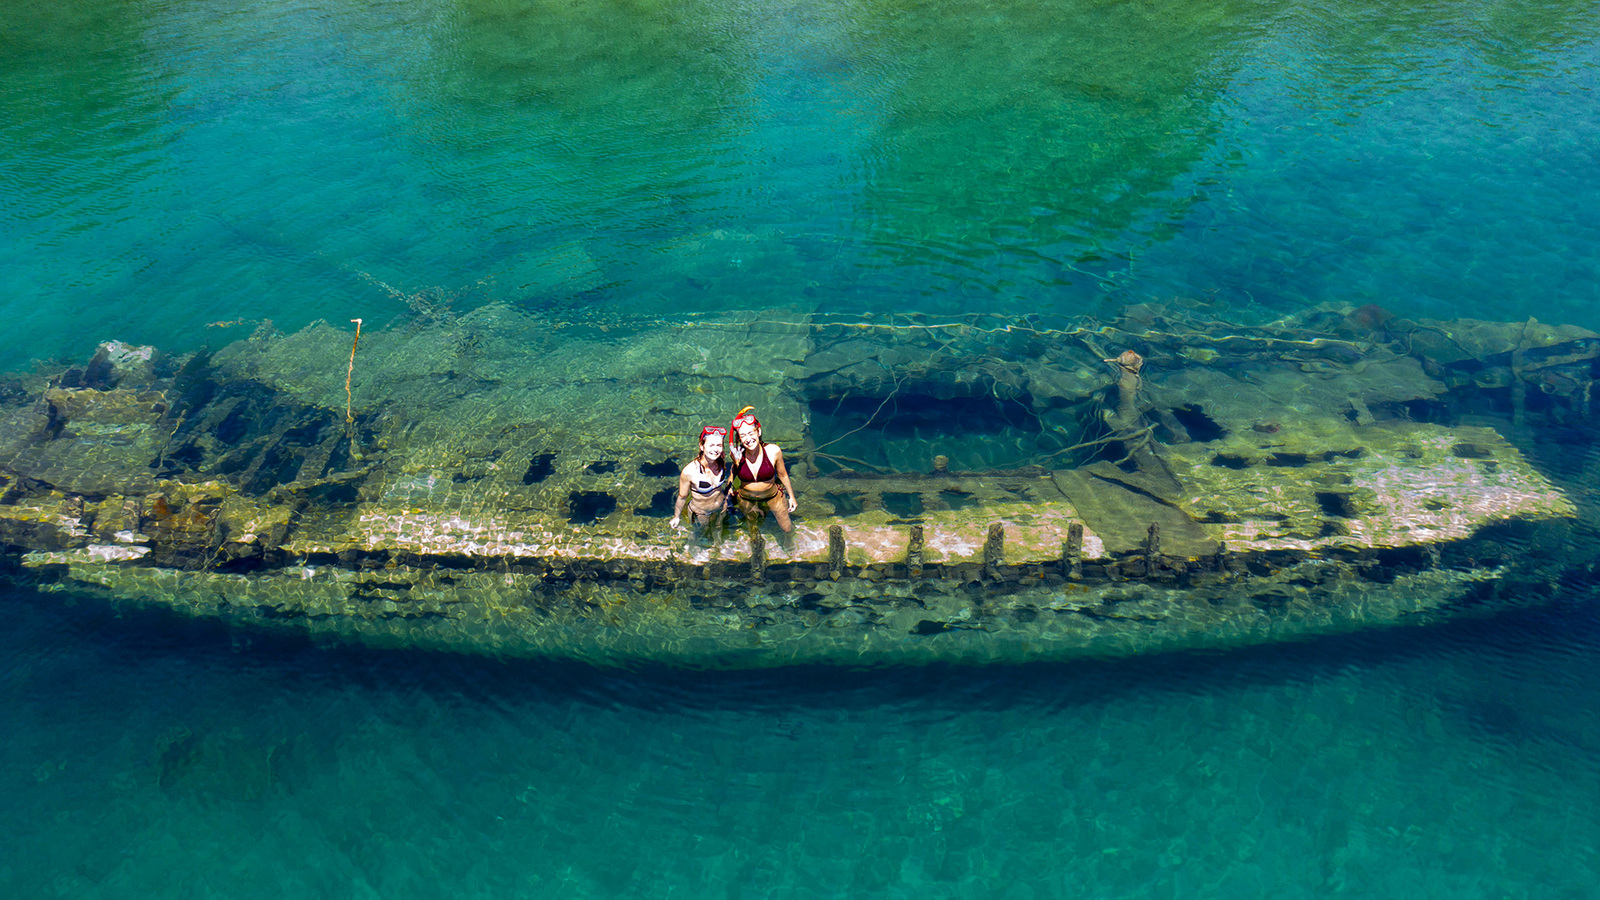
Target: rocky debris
[46, 520]
[126, 362]
[216, 766]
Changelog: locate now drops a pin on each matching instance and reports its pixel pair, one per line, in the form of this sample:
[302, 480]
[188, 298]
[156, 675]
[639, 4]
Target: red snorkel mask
[711, 429]
[745, 417]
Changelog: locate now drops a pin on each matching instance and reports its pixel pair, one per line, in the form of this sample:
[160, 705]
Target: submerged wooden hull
[497, 484]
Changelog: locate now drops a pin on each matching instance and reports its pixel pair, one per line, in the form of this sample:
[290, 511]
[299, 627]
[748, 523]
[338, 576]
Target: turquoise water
[1454, 762]
[176, 164]
[181, 172]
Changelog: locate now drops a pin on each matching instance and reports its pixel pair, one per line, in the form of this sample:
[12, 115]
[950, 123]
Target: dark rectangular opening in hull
[904, 432]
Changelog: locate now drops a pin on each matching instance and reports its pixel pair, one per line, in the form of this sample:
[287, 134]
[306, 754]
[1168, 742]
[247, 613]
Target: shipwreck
[969, 490]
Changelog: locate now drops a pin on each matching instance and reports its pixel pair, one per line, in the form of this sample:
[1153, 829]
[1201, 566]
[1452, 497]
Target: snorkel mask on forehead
[746, 417]
[709, 431]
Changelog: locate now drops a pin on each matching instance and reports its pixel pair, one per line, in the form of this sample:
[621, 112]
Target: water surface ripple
[172, 165]
[151, 757]
[176, 164]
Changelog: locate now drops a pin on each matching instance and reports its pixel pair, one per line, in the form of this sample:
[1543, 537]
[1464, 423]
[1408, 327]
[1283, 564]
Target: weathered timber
[459, 510]
[994, 551]
[1072, 552]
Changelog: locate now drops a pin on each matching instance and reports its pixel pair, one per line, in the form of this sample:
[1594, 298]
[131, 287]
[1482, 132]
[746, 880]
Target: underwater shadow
[1564, 634]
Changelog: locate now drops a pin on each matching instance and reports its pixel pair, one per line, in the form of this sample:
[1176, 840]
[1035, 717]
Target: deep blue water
[1459, 761]
[179, 171]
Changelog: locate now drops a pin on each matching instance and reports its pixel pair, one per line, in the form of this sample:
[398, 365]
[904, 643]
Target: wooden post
[994, 550]
[914, 552]
[1152, 544]
[835, 551]
[1072, 552]
[758, 556]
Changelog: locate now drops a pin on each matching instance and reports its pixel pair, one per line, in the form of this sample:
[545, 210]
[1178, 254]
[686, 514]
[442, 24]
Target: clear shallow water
[175, 164]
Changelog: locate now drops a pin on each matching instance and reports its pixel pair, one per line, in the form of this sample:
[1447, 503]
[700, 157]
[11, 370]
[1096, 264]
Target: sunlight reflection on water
[173, 165]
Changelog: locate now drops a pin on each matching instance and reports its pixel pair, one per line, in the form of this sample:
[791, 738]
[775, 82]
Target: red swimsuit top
[765, 471]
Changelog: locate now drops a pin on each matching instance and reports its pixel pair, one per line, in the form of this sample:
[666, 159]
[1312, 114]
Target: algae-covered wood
[1002, 490]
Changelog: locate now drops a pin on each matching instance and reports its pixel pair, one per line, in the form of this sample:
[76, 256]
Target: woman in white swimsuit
[703, 483]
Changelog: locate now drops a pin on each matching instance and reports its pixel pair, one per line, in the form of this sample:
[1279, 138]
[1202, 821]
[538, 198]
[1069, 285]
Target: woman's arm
[683, 497]
[783, 474]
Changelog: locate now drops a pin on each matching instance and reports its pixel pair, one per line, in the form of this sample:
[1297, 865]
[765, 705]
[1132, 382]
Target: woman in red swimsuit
[763, 478]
